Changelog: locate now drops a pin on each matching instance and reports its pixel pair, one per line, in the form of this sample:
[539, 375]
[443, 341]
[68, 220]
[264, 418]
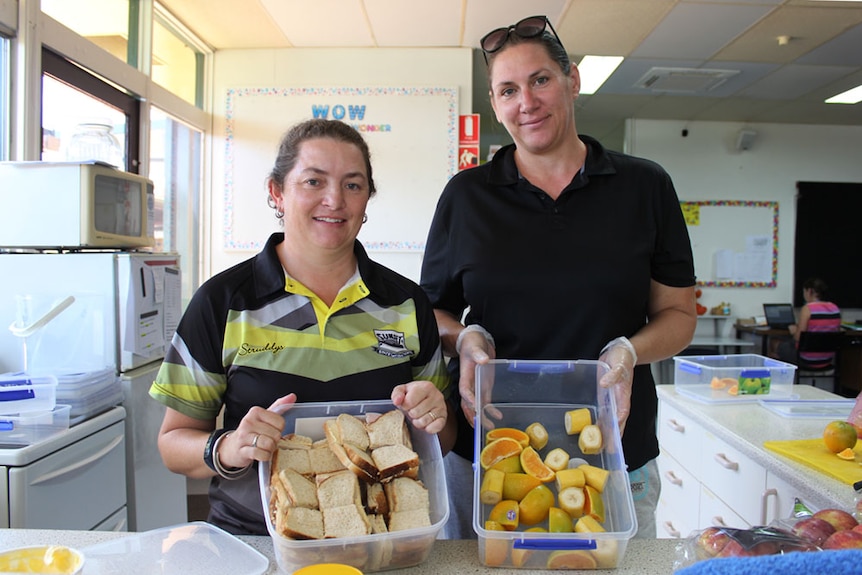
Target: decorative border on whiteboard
[744, 204]
[451, 95]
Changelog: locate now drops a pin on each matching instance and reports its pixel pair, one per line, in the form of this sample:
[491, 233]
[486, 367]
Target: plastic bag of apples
[805, 531]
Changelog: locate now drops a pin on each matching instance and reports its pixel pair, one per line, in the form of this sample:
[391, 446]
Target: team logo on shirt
[391, 343]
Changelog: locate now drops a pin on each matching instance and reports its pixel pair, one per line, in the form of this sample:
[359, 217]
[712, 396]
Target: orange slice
[516, 434]
[716, 383]
[533, 465]
[498, 450]
[847, 454]
[733, 390]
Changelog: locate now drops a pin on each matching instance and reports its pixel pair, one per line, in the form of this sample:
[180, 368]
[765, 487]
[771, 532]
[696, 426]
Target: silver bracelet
[222, 471]
[624, 341]
[473, 327]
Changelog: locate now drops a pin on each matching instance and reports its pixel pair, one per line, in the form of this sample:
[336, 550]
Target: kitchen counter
[746, 426]
[642, 557]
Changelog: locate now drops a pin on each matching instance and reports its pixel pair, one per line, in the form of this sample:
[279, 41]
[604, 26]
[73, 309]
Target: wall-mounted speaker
[745, 139]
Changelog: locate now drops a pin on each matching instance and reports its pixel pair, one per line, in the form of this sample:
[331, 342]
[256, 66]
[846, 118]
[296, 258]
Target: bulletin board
[412, 134]
[734, 242]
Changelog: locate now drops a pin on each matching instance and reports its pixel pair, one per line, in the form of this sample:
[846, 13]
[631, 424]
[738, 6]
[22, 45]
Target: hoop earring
[364, 218]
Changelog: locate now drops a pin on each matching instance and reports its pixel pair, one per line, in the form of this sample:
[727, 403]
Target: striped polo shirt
[825, 316]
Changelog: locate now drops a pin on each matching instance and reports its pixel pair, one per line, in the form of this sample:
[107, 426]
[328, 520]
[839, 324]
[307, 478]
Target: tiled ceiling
[784, 82]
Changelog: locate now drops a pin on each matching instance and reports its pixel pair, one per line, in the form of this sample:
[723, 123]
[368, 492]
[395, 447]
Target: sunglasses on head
[526, 28]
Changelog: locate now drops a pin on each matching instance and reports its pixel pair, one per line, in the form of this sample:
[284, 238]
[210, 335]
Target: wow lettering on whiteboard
[352, 115]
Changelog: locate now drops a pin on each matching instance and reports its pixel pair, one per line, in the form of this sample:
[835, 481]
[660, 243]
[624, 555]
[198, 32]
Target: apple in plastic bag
[712, 540]
[846, 539]
[813, 529]
[840, 519]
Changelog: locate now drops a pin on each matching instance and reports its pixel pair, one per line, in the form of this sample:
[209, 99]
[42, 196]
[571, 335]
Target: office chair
[818, 341]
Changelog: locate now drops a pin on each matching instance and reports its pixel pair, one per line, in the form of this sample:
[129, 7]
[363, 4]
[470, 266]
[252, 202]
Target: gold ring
[433, 415]
[254, 441]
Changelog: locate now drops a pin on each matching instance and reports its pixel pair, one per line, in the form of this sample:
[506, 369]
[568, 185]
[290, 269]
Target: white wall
[322, 68]
[705, 165]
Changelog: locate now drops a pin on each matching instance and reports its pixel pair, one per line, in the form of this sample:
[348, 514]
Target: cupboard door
[778, 499]
[714, 511]
[679, 436]
[733, 477]
[677, 512]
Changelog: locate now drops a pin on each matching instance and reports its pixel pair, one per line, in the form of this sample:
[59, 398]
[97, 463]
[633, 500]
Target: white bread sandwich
[295, 459]
[388, 429]
[338, 489]
[300, 523]
[323, 460]
[375, 499]
[352, 430]
[404, 494]
[394, 461]
[412, 519]
[295, 441]
[345, 521]
[299, 491]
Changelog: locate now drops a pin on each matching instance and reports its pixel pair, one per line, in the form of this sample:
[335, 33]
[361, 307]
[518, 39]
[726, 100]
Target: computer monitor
[779, 315]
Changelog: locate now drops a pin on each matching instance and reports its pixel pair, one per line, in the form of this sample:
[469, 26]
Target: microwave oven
[74, 205]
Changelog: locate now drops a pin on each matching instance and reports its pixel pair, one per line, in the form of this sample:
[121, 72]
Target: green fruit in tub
[754, 383]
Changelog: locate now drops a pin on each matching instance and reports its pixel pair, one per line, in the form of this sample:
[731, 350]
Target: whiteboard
[734, 242]
[412, 134]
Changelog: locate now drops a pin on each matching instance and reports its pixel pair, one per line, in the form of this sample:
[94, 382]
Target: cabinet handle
[672, 478]
[722, 460]
[78, 464]
[668, 527]
[675, 425]
[764, 501]
[719, 521]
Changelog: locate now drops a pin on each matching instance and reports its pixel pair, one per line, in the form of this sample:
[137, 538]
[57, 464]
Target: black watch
[208, 449]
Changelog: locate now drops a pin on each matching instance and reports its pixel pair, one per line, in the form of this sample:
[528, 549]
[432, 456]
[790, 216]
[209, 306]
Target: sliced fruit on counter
[576, 419]
[590, 440]
[498, 450]
[847, 454]
[538, 435]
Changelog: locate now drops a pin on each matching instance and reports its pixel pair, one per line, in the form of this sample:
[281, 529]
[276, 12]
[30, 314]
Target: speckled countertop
[642, 556]
[746, 426]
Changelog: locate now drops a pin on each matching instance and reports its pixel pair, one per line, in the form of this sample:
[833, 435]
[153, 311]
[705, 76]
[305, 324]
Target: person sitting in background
[816, 315]
[310, 318]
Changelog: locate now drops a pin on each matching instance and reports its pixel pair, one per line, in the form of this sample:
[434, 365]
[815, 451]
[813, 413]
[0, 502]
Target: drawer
[714, 511]
[735, 478]
[679, 436]
[75, 487]
[670, 523]
[679, 487]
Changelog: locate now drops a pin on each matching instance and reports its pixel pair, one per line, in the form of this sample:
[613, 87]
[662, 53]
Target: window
[106, 24]
[175, 169]
[71, 97]
[177, 65]
[5, 109]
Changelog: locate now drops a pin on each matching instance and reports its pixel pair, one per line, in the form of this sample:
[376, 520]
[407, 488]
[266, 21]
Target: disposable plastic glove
[621, 356]
[474, 346]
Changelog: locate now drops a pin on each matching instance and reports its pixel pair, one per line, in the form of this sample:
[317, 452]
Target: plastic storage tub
[369, 553]
[20, 393]
[733, 378]
[515, 394]
[28, 428]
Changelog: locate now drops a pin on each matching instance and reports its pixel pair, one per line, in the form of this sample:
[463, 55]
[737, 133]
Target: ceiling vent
[691, 80]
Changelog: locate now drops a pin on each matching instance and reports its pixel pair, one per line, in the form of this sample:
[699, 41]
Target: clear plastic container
[733, 378]
[21, 393]
[28, 428]
[95, 141]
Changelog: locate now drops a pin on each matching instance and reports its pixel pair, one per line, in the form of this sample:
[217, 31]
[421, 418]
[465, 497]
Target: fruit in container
[569, 478]
[588, 524]
[505, 513]
[517, 485]
[534, 507]
[538, 435]
[511, 432]
[533, 465]
[498, 450]
[813, 529]
[509, 464]
[557, 459]
[839, 435]
[496, 550]
[559, 521]
[577, 419]
[841, 520]
[595, 477]
[846, 539]
[577, 559]
[590, 440]
[593, 504]
[520, 556]
[572, 501]
[491, 491]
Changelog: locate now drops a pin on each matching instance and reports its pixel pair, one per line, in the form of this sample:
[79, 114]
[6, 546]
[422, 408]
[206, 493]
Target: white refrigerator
[125, 308]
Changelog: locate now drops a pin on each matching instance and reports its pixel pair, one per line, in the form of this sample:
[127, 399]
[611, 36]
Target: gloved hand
[474, 346]
[621, 356]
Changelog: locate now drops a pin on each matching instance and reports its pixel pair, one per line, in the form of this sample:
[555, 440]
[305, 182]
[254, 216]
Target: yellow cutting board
[813, 453]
